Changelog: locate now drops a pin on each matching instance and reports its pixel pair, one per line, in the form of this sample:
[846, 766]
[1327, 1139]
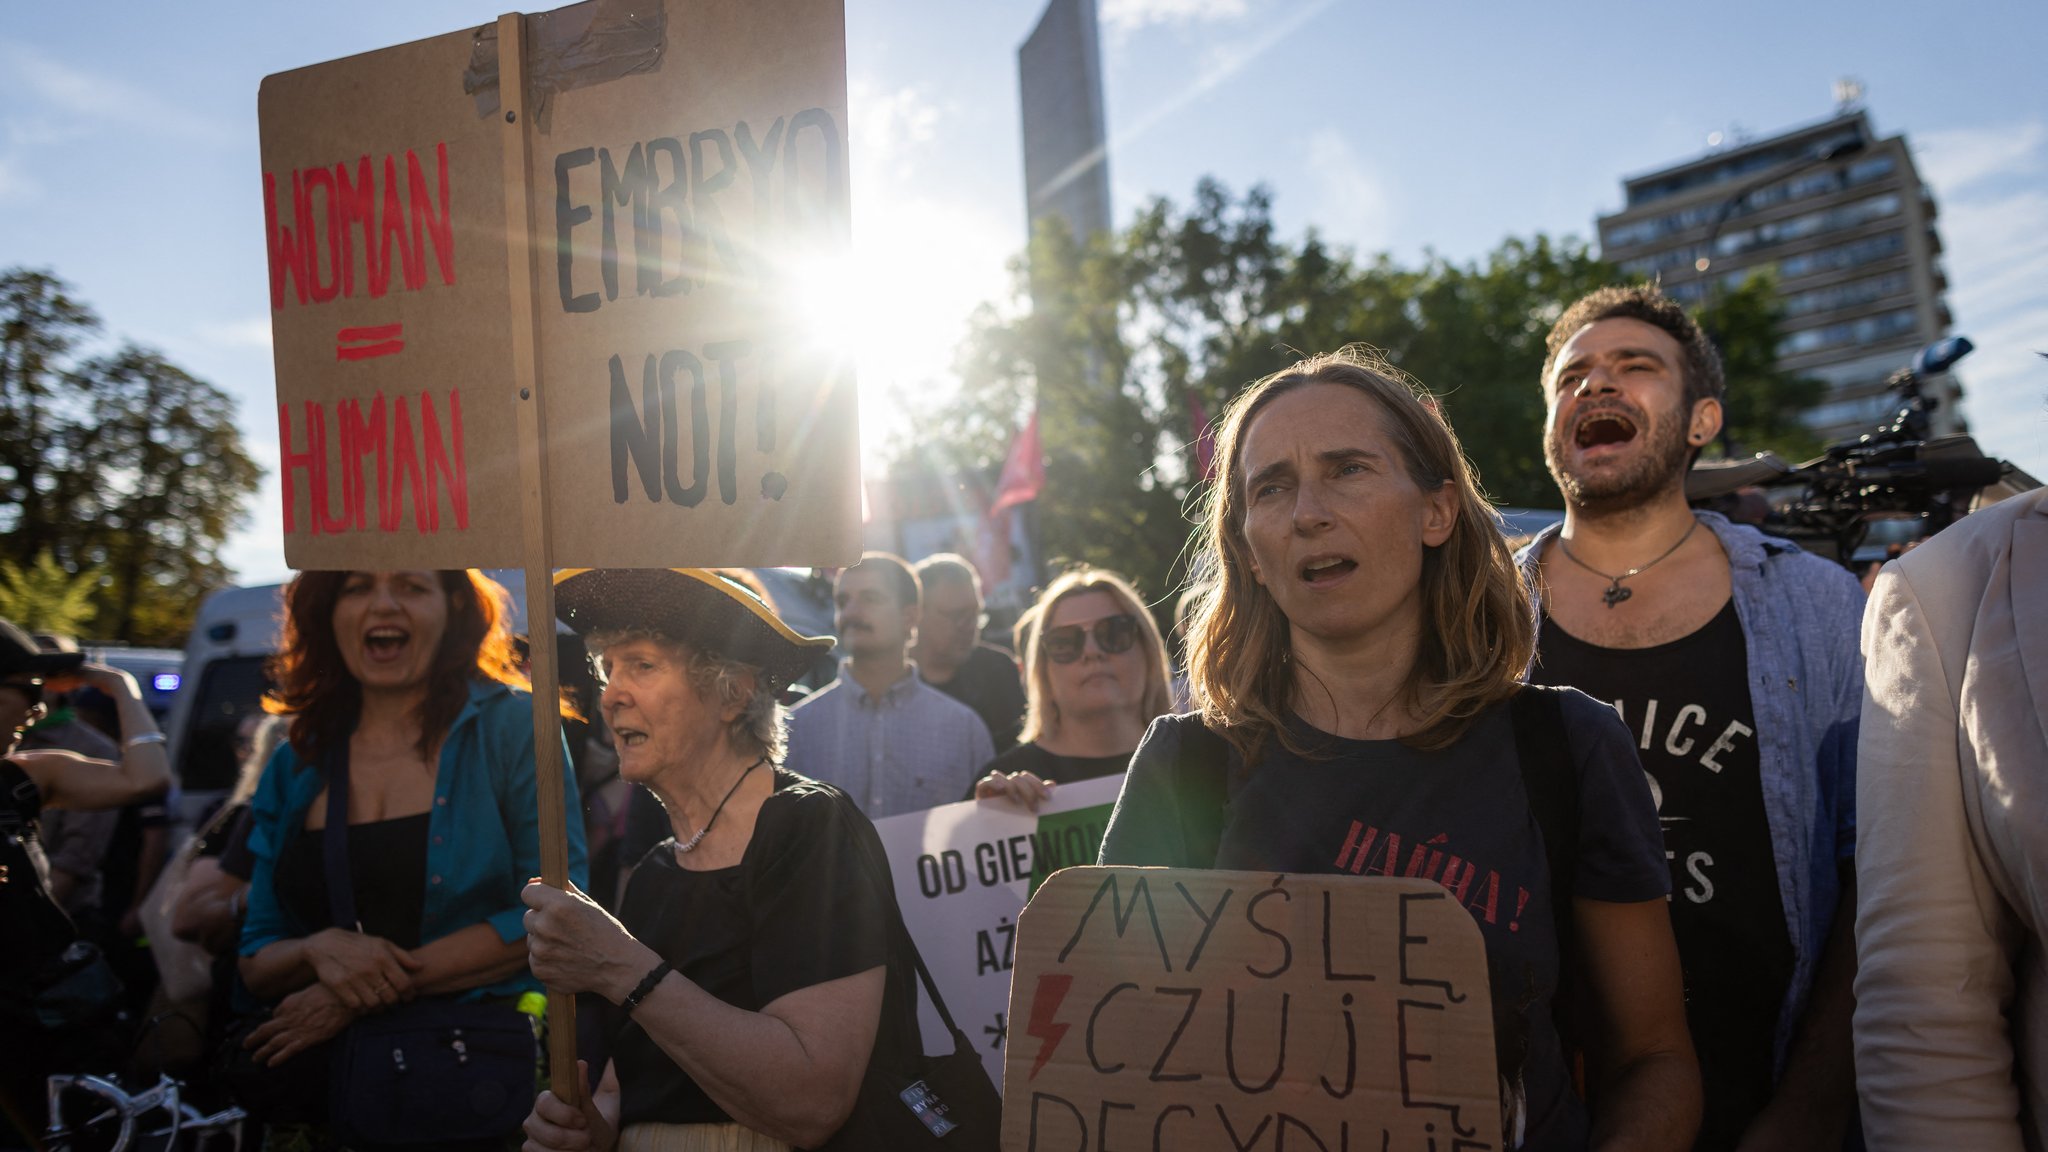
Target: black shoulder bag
[939, 1103]
[431, 1072]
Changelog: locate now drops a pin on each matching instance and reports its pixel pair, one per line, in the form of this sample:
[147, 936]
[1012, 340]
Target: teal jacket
[483, 832]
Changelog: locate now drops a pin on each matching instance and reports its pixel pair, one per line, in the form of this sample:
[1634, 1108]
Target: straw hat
[693, 605]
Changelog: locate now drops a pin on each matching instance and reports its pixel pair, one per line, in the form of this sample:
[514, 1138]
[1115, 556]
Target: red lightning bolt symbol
[1052, 990]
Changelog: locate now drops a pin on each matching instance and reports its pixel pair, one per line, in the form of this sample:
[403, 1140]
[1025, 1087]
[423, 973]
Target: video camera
[1898, 476]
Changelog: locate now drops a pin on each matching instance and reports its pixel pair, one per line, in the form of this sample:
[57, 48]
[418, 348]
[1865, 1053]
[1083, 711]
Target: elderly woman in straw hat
[749, 960]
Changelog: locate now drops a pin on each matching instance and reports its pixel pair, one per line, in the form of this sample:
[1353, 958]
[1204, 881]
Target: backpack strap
[1204, 764]
[873, 860]
[1550, 779]
[341, 883]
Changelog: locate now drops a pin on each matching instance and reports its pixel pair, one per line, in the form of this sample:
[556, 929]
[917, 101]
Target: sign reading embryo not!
[686, 183]
[1181, 1008]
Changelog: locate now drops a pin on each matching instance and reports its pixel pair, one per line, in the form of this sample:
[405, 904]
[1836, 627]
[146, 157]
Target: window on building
[1850, 295]
[1868, 169]
[1808, 224]
[1851, 255]
[1866, 330]
[1861, 410]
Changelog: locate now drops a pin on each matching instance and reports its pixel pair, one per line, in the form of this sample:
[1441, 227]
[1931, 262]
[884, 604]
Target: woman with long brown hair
[407, 682]
[1355, 664]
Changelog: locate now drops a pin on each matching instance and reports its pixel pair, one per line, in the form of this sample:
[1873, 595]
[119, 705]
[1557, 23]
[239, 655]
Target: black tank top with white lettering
[1688, 704]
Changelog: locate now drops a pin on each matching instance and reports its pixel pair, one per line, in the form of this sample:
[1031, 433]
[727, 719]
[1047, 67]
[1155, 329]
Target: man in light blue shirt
[1732, 656]
[879, 732]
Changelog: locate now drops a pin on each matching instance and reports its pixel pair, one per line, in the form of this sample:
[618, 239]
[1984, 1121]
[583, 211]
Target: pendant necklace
[690, 847]
[1614, 592]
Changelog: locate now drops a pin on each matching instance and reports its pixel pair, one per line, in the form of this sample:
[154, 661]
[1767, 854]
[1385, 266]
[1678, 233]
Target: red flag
[1023, 473]
[992, 549]
[1205, 437]
[1022, 479]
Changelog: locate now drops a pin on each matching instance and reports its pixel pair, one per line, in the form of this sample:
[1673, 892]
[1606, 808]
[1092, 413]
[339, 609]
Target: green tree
[1117, 341]
[42, 597]
[120, 464]
[39, 326]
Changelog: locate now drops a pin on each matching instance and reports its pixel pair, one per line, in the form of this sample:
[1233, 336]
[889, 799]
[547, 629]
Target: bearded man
[1733, 657]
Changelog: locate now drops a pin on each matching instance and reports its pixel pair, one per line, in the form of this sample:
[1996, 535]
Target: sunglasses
[1113, 635]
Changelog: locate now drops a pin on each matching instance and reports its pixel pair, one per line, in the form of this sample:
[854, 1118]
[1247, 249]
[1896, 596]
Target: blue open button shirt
[483, 830]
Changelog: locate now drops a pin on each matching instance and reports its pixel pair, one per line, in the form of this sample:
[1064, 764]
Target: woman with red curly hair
[407, 681]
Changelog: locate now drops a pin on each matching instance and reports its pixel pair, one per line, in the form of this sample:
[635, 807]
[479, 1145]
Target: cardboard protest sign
[384, 218]
[686, 183]
[1182, 1008]
[962, 874]
[692, 212]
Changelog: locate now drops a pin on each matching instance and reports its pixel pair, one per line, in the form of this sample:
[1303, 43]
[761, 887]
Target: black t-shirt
[35, 928]
[802, 907]
[1687, 702]
[990, 684]
[387, 863]
[1053, 766]
[1458, 816]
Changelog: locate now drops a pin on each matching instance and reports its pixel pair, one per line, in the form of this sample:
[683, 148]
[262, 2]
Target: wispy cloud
[252, 332]
[1994, 230]
[889, 130]
[1221, 65]
[1349, 203]
[46, 103]
[46, 89]
[1131, 15]
[1957, 159]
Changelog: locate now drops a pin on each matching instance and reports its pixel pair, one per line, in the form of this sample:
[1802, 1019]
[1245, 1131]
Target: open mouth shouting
[386, 644]
[1323, 571]
[1601, 433]
[628, 737]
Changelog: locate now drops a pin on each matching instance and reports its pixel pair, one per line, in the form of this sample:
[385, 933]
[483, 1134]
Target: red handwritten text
[406, 469]
[368, 343]
[312, 242]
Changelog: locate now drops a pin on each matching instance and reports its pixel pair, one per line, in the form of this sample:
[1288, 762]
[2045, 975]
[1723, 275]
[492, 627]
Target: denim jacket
[1802, 619]
[483, 830]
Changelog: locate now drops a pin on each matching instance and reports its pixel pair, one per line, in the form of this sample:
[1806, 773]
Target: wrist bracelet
[645, 986]
[142, 738]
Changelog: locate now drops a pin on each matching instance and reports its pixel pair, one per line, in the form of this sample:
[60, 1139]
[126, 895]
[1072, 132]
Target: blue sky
[128, 150]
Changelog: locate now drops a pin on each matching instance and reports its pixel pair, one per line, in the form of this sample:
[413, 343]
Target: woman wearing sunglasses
[1094, 678]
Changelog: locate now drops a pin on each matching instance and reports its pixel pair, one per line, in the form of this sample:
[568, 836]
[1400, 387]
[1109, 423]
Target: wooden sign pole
[539, 552]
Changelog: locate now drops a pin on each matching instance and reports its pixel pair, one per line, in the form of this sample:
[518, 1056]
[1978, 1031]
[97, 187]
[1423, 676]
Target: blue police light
[165, 681]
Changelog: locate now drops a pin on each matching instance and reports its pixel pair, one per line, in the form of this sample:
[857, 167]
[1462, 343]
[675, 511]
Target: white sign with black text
[963, 872]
